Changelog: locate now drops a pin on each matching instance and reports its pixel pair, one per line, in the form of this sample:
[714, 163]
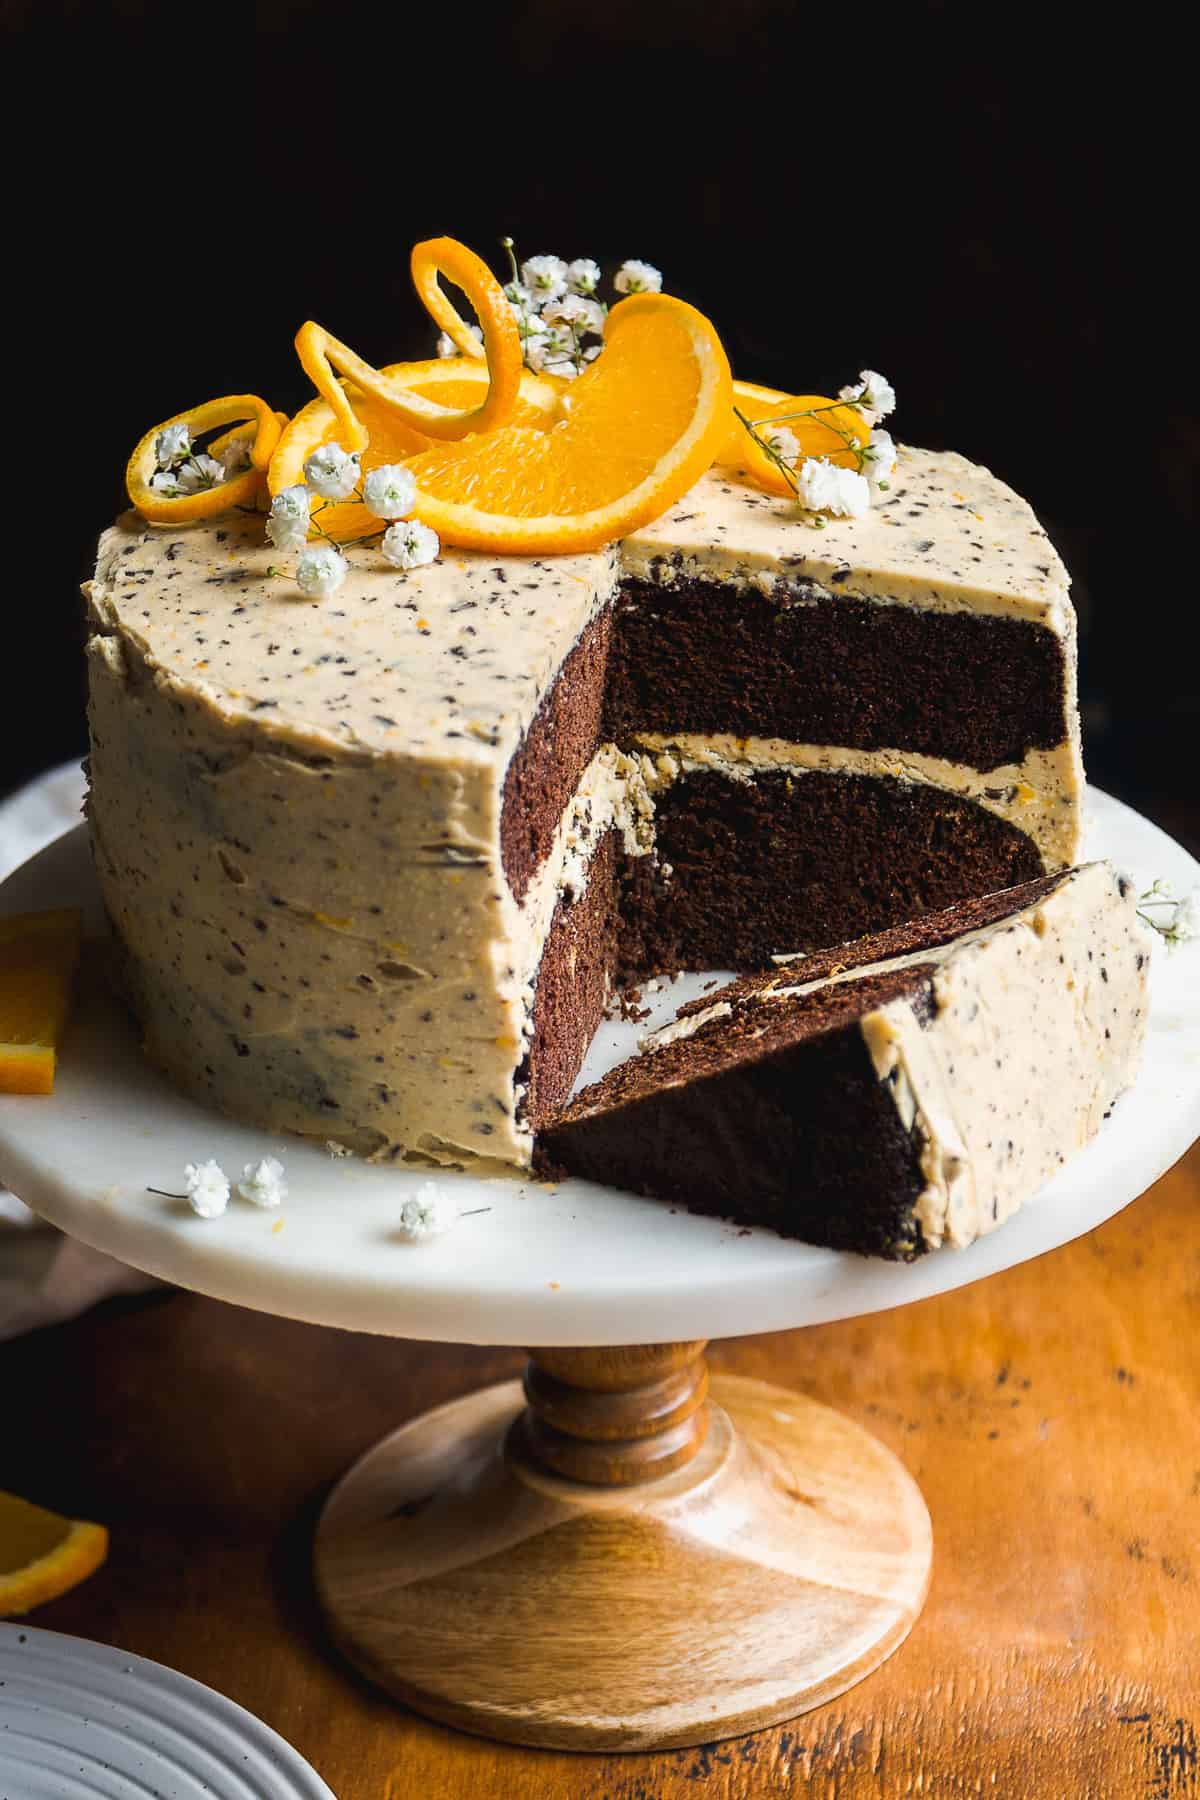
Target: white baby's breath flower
[635, 277]
[783, 442]
[263, 1183]
[389, 491]
[236, 456]
[879, 459]
[551, 352]
[172, 444]
[822, 487]
[592, 352]
[576, 311]
[320, 571]
[166, 482]
[545, 277]
[446, 345]
[583, 276]
[524, 309]
[1183, 924]
[873, 395]
[410, 544]
[333, 472]
[199, 474]
[207, 1188]
[1186, 924]
[430, 1212]
[288, 519]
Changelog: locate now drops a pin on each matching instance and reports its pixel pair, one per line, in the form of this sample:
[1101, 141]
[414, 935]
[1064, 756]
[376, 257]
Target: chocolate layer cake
[908, 1089]
[373, 865]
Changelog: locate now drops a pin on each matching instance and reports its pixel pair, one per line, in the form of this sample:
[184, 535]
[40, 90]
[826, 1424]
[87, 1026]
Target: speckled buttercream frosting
[298, 810]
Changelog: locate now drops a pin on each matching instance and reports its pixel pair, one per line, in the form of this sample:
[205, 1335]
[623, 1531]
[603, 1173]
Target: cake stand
[611, 1557]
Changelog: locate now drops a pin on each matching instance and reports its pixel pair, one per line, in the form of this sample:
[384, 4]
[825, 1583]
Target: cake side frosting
[317, 930]
[1037, 1028]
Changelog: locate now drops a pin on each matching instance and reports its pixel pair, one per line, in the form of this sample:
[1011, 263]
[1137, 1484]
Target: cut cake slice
[907, 1089]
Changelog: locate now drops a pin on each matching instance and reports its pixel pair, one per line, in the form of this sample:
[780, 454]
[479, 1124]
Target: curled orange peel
[232, 410]
[325, 357]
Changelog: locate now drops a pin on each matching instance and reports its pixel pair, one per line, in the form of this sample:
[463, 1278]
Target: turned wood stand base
[614, 1561]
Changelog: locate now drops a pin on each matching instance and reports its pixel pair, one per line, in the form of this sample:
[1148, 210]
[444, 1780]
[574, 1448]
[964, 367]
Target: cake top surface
[947, 533]
[451, 660]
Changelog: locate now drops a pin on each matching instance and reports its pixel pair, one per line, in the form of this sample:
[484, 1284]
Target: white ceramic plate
[82, 1721]
[579, 1264]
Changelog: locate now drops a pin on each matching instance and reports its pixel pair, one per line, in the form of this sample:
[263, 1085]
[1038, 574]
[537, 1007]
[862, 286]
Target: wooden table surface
[1051, 1415]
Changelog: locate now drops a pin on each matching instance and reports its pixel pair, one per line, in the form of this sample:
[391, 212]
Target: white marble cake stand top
[574, 1265]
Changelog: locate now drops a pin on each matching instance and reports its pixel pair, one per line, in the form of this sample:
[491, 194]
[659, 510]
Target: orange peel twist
[232, 410]
[325, 357]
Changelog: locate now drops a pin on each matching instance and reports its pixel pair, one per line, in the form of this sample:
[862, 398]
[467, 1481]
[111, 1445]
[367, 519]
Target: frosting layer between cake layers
[372, 863]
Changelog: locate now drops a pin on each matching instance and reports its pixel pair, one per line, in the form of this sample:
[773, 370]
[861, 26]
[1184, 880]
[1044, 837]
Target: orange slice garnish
[42, 1554]
[232, 410]
[322, 355]
[38, 957]
[641, 425]
[818, 436]
[453, 381]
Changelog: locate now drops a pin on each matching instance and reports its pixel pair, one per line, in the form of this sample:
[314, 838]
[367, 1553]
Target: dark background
[983, 202]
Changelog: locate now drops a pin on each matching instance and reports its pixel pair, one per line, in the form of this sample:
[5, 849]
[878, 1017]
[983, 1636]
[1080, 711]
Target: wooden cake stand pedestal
[616, 1559]
[624, 1562]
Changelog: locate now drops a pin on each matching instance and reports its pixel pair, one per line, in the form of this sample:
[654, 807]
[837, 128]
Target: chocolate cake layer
[786, 862]
[700, 656]
[562, 738]
[572, 984]
[803, 1138]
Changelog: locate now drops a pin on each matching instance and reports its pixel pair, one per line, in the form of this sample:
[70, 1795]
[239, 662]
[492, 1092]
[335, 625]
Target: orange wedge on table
[640, 426]
[818, 436]
[38, 956]
[457, 382]
[42, 1554]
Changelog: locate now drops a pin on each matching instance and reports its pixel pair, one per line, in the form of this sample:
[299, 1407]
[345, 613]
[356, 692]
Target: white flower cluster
[558, 314]
[332, 474]
[1182, 925]
[207, 1186]
[182, 469]
[430, 1213]
[821, 485]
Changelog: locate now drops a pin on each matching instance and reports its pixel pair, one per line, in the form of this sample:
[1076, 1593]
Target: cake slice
[905, 1090]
